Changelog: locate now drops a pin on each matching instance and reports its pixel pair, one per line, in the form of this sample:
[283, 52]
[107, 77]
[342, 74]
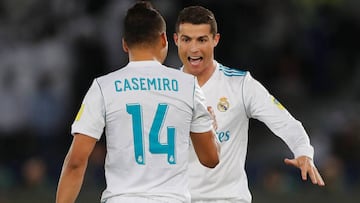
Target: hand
[211, 111]
[306, 165]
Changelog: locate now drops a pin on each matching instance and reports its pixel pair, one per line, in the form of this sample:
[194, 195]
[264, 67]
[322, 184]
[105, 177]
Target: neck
[205, 75]
[143, 55]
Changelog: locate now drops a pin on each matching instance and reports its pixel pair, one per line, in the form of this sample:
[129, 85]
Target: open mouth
[195, 60]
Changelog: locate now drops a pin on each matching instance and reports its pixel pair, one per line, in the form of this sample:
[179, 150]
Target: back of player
[148, 110]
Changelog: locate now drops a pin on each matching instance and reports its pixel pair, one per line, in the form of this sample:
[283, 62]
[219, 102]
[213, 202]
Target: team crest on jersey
[223, 105]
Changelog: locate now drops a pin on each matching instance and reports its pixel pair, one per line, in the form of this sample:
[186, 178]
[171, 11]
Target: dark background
[305, 52]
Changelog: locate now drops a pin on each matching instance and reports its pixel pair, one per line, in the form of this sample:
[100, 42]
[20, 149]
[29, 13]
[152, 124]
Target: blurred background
[306, 52]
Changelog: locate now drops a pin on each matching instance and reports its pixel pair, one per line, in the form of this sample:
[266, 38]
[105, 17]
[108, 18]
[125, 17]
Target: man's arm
[206, 148]
[264, 107]
[74, 168]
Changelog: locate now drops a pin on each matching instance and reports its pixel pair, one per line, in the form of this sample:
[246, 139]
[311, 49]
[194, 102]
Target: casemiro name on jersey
[146, 84]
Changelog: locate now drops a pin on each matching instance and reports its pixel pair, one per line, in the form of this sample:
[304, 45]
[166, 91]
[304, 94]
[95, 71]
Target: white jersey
[236, 97]
[147, 111]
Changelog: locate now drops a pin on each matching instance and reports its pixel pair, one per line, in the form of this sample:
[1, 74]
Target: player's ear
[124, 46]
[164, 41]
[216, 39]
[176, 38]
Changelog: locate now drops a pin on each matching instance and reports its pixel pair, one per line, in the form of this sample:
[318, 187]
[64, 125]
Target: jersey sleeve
[201, 120]
[90, 119]
[261, 105]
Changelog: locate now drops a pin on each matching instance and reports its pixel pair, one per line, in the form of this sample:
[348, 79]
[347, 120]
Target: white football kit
[147, 111]
[236, 97]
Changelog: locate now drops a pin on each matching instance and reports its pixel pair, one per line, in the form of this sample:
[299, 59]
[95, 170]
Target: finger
[210, 110]
[304, 173]
[215, 125]
[312, 175]
[291, 162]
[319, 178]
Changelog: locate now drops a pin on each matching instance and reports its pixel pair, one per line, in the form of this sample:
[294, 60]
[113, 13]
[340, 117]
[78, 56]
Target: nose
[194, 47]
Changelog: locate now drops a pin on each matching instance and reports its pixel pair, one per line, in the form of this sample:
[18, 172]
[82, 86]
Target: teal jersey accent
[231, 71]
[146, 84]
[155, 146]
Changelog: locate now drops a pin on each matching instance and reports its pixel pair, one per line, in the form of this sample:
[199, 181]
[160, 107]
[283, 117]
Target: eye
[185, 39]
[203, 40]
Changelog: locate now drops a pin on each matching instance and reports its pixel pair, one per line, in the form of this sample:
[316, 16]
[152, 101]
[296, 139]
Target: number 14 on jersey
[155, 147]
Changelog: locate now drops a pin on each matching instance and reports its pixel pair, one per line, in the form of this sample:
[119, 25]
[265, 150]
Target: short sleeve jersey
[146, 111]
[236, 97]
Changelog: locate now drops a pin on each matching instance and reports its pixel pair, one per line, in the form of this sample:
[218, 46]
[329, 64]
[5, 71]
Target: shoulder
[230, 75]
[235, 74]
[231, 72]
[110, 76]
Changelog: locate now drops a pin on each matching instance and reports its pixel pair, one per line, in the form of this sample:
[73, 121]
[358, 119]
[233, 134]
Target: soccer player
[235, 97]
[149, 112]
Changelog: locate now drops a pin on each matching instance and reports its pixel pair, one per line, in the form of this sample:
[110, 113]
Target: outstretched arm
[307, 167]
[261, 105]
[74, 168]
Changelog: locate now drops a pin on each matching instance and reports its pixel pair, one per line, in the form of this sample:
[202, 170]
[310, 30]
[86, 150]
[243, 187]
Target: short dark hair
[197, 15]
[143, 24]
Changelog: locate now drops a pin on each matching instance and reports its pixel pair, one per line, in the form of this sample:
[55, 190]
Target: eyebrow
[203, 36]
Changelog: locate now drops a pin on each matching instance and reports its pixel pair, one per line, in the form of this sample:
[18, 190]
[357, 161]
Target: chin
[193, 71]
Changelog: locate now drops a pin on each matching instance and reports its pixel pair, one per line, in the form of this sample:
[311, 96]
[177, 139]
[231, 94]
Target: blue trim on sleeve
[231, 71]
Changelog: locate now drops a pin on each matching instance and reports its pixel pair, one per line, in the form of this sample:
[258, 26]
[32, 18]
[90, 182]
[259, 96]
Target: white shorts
[217, 201]
[126, 199]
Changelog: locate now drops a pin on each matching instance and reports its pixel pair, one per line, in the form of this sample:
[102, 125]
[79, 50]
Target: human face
[196, 49]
